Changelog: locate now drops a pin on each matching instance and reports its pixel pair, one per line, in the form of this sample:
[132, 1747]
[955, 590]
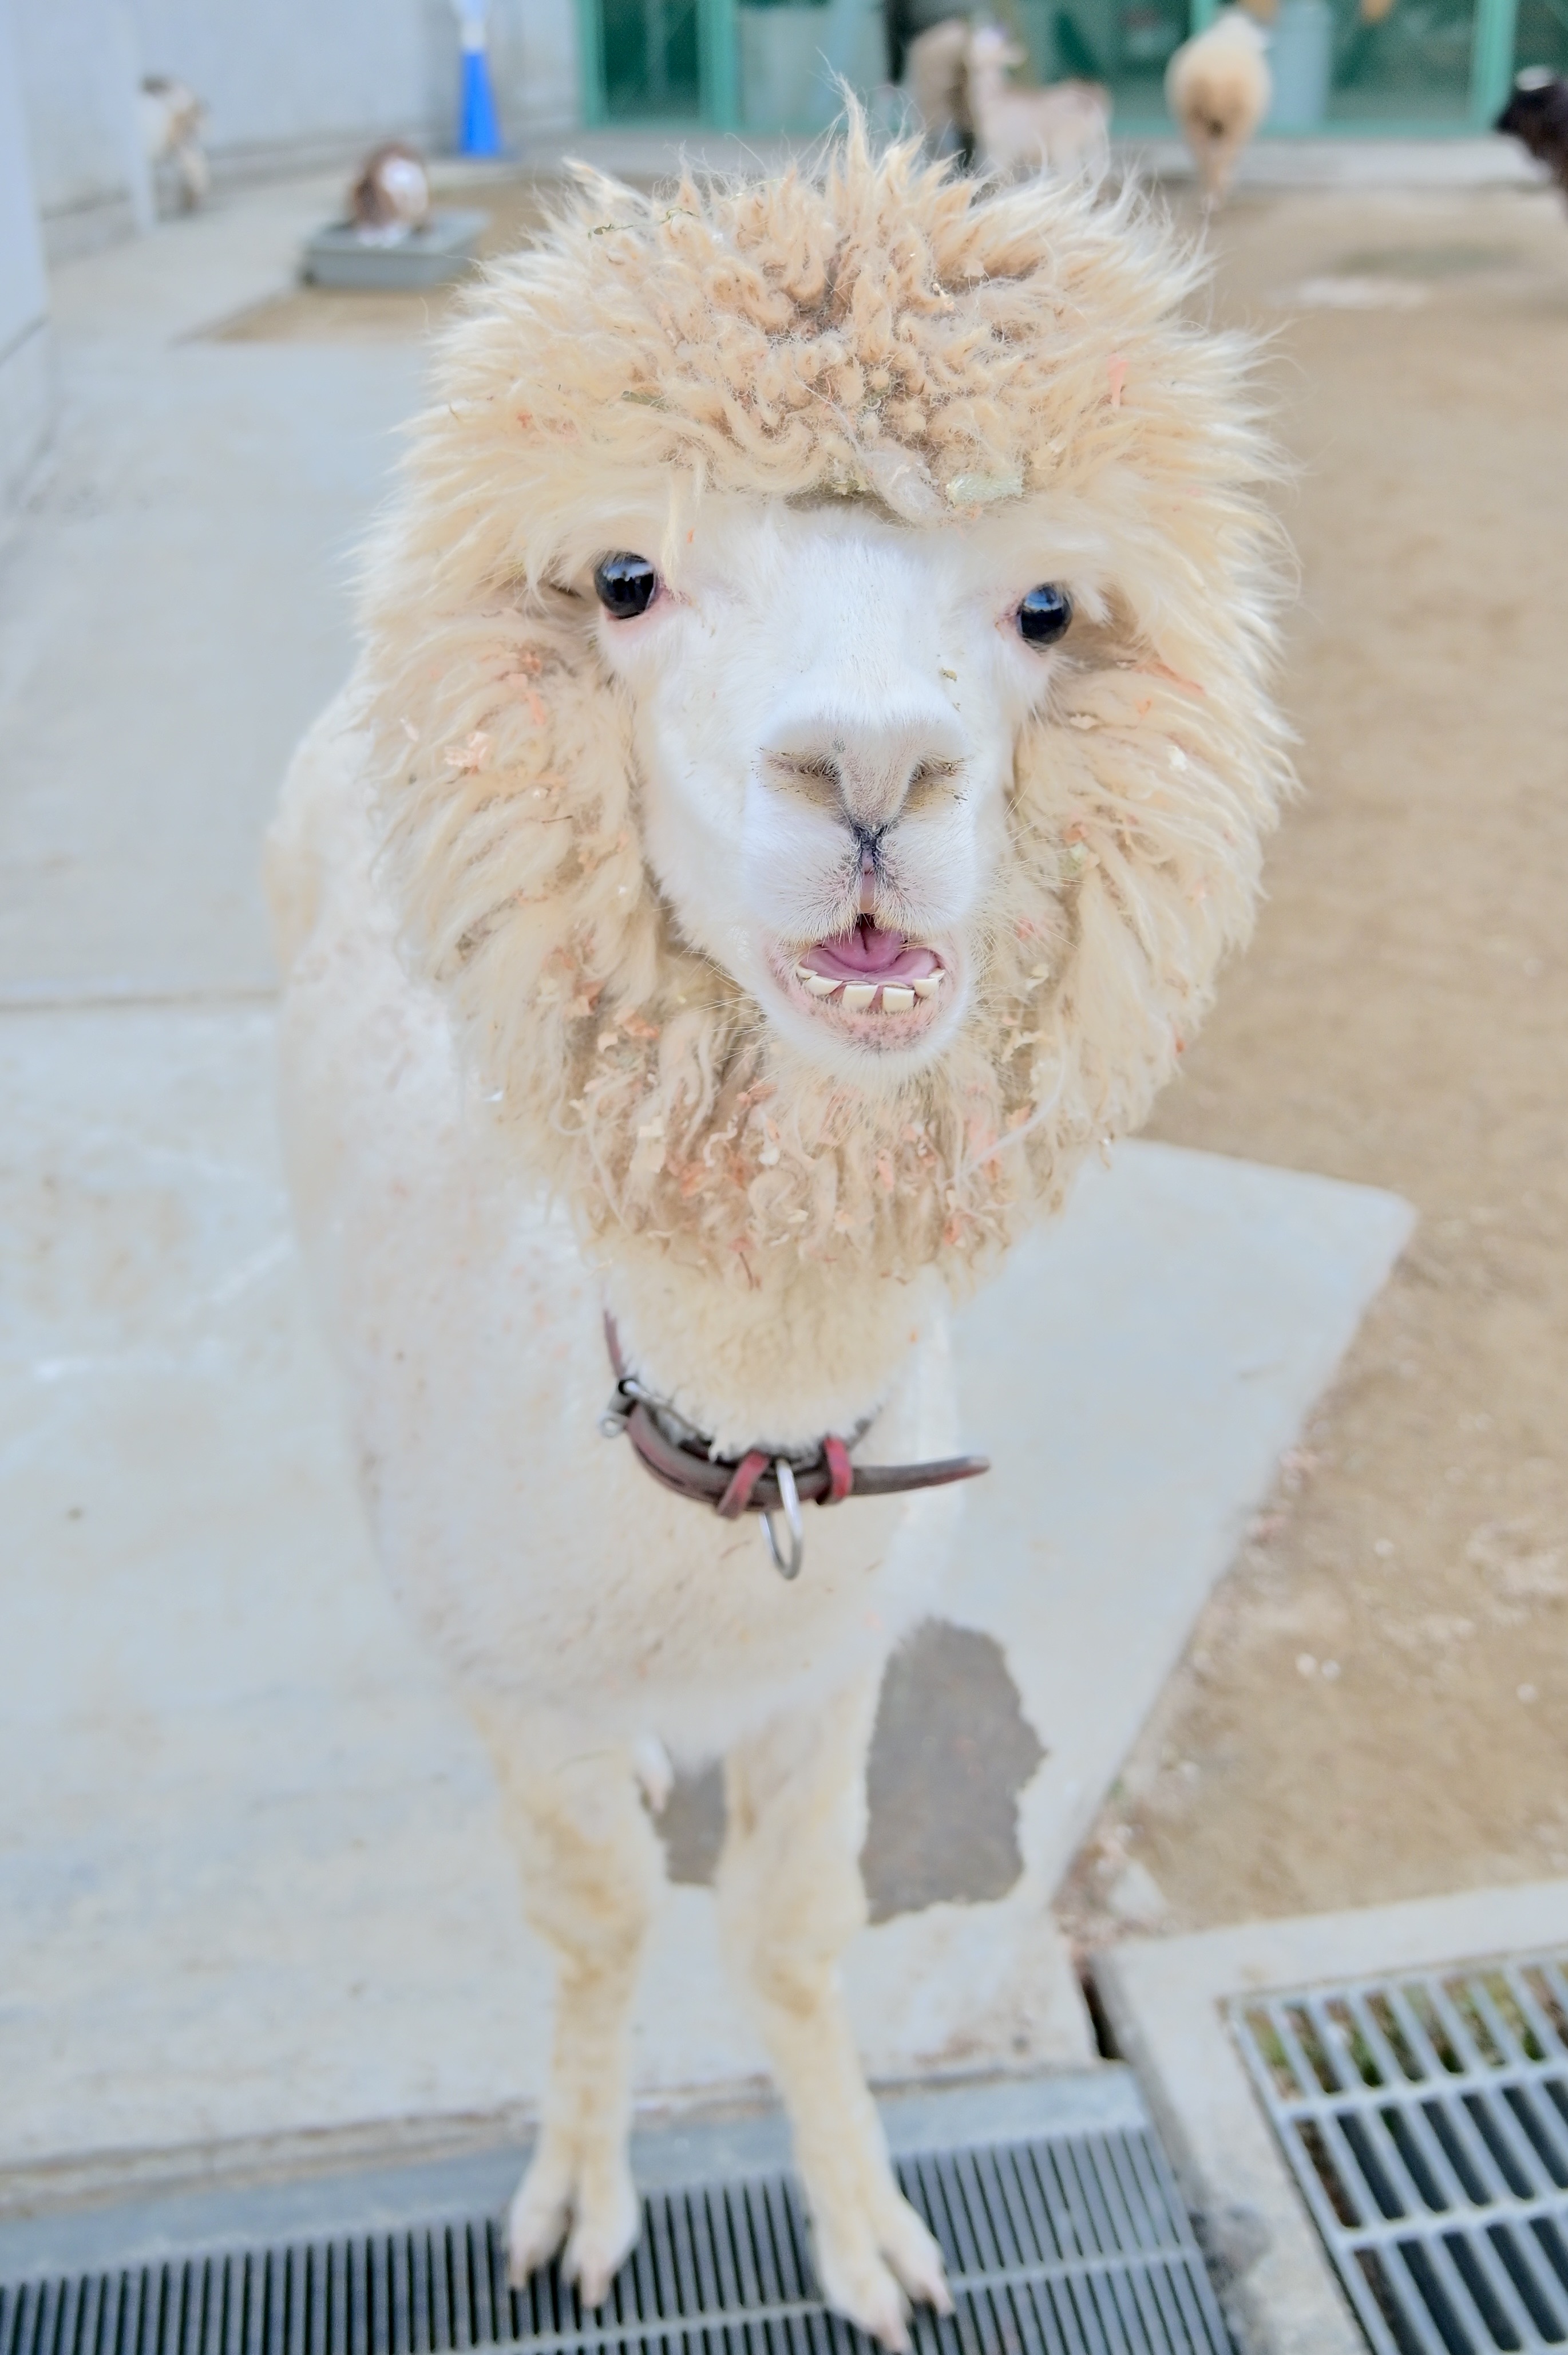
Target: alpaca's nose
[869, 763]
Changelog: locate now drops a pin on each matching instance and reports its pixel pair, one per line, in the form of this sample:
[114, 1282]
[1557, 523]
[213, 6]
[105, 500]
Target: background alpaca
[813, 586]
[1064, 129]
[936, 75]
[1218, 87]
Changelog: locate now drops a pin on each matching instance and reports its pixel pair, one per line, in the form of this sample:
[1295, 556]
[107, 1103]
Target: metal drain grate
[1072, 2244]
[1426, 2118]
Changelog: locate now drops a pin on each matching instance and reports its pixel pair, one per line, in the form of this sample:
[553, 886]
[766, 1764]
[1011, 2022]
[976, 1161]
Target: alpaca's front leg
[591, 1873]
[791, 1895]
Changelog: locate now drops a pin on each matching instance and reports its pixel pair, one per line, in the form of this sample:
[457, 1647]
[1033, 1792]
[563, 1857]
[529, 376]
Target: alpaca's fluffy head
[850, 421]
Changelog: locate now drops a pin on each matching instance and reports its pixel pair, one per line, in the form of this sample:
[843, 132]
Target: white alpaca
[809, 756]
[1218, 87]
[1064, 129]
[935, 75]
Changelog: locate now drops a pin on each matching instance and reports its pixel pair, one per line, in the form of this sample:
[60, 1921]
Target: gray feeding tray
[442, 249]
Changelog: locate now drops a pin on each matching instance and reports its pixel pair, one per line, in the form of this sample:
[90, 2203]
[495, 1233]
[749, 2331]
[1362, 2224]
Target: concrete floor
[251, 1878]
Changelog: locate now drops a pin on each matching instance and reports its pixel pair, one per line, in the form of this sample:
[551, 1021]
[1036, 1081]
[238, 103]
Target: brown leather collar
[762, 1480]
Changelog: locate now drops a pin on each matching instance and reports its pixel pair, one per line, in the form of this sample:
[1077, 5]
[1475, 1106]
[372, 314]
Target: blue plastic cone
[479, 134]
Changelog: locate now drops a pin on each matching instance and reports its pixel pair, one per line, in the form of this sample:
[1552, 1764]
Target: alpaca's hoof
[604, 2233]
[537, 2219]
[913, 2256]
[596, 2200]
[873, 2267]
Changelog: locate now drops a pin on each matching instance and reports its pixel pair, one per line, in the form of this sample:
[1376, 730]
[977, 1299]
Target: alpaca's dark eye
[1044, 615]
[627, 585]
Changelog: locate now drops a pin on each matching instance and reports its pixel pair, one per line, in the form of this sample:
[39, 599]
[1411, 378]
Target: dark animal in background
[1537, 116]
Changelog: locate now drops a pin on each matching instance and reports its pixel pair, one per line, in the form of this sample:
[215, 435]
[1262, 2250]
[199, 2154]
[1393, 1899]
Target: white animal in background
[1218, 87]
[172, 120]
[936, 75]
[1064, 129]
[809, 757]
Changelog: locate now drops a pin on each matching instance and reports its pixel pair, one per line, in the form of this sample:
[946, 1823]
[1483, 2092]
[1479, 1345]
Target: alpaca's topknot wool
[872, 328]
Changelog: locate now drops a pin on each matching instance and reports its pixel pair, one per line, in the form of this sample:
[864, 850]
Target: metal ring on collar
[788, 1494]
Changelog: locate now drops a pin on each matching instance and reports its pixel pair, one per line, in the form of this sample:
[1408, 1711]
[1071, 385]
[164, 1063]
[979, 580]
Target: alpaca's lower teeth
[868, 996]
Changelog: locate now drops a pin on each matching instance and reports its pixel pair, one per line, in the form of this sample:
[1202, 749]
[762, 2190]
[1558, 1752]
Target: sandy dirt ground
[1376, 1703]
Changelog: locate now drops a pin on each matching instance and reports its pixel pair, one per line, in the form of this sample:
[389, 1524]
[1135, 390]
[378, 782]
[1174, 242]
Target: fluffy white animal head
[820, 667]
[991, 51]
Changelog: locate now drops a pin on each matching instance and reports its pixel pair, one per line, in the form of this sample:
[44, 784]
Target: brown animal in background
[392, 194]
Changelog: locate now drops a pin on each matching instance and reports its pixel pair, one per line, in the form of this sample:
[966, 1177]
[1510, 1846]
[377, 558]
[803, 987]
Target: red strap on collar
[737, 1495]
[750, 1484]
[841, 1470]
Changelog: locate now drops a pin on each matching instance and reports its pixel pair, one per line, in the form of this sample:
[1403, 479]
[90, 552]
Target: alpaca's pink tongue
[868, 952]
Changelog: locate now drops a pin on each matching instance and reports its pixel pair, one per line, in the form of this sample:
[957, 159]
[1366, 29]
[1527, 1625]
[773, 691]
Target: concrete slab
[1164, 1999]
[178, 582]
[251, 1875]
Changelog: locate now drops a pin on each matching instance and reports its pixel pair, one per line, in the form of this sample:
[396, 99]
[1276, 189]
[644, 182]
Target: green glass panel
[1125, 43]
[1540, 34]
[1413, 65]
[1335, 62]
[650, 58]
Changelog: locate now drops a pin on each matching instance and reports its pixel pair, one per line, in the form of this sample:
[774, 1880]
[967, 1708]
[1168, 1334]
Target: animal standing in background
[172, 120]
[1537, 116]
[1218, 88]
[391, 197]
[810, 757]
[936, 78]
[1063, 129]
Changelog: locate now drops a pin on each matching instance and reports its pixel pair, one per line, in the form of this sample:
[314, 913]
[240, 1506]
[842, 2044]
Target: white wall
[77, 62]
[287, 83]
[291, 78]
[534, 58]
[26, 376]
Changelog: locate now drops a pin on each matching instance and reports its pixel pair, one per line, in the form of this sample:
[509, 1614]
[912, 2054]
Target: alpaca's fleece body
[528, 877]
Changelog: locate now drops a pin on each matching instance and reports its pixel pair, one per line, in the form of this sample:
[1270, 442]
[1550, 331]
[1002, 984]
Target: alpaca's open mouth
[883, 982]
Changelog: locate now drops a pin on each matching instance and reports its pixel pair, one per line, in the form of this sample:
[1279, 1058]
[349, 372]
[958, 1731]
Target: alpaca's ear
[1138, 810]
[514, 831]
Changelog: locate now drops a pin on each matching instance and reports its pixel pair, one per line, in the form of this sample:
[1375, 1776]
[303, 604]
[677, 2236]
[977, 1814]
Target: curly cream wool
[879, 332]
